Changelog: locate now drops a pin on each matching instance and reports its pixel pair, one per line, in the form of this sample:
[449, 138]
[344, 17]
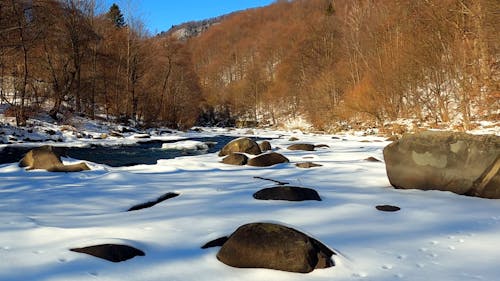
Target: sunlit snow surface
[435, 236]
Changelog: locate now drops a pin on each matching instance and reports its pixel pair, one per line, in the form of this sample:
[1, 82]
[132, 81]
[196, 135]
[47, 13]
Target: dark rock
[273, 246]
[111, 252]
[302, 146]
[243, 145]
[449, 161]
[293, 139]
[154, 202]
[265, 146]
[372, 159]
[235, 159]
[215, 243]
[288, 193]
[267, 159]
[307, 165]
[49, 158]
[387, 208]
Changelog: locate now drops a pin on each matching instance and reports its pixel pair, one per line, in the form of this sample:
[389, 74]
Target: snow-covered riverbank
[435, 236]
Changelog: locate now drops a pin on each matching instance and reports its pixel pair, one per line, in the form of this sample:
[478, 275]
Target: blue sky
[160, 15]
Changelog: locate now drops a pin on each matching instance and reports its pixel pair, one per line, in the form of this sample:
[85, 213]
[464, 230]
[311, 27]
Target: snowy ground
[435, 236]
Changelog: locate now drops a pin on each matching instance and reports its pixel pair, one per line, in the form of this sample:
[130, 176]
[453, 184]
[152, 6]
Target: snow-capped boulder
[49, 158]
[274, 246]
[243, 145]
[449, 161]
[268, 159]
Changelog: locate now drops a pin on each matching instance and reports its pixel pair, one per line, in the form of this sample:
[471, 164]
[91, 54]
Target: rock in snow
[449, 161]
[274, 246]
[48, 158]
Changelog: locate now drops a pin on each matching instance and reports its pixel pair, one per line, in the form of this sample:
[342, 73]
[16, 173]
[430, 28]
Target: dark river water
[147, 152]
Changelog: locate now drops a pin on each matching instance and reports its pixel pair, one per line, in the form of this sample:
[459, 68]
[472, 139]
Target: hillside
[331, 65]
[344, 61]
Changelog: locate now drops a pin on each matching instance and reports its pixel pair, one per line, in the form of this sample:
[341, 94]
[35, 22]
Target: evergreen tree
[116, 16]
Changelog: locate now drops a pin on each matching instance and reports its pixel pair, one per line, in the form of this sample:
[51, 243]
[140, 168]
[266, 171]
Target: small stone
[372, 159]
[302, 146]
[387, 208]
[307, 165]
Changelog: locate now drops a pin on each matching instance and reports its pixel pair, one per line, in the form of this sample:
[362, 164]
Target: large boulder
[235, 159]
[267, 159]
[274, 246]
[449, 161]
[243, 145]
[302, 146]
[49, 158]
[287, 193]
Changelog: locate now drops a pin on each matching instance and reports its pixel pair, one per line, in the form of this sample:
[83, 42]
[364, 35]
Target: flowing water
[148, 152]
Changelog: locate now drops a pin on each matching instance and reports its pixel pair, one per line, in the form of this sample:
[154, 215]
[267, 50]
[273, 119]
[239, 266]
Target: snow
[186, 145]
[435, 236]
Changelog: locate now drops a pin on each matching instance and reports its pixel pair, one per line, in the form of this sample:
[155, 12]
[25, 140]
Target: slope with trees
[330, 62]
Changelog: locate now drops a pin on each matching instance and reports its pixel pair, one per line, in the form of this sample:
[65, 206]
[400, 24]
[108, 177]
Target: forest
[334, 63]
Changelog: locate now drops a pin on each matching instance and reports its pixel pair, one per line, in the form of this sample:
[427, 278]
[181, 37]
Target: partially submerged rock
[268, 159]
[49, 158]
[449, 161]
[302, 146]
[111, 252]
[243, 145]
[288, 193]
[235, 159]
[273, 246]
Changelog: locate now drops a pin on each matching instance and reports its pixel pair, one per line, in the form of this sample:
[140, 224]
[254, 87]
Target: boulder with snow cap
[242, 145]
